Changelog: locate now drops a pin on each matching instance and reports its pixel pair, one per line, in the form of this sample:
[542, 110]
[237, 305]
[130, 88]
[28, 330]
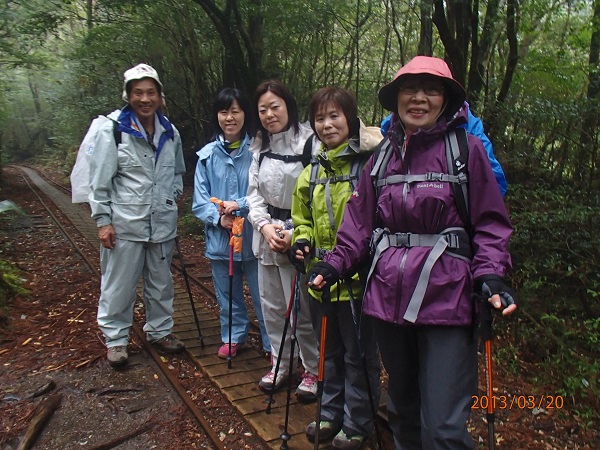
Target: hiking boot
[266, 382]
[327, 430]
[307, 389]
[169, 344]
[117, 356]
[343, 441]
[224, 350]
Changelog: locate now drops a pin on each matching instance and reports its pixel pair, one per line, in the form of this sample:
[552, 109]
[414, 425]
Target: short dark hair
[282, 91]
[223, 100]
[340, 97]
[130, 82]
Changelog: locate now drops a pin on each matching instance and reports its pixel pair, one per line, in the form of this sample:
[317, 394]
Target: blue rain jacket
[219, 175]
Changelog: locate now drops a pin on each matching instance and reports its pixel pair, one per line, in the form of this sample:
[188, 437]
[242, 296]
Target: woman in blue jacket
[222, 172]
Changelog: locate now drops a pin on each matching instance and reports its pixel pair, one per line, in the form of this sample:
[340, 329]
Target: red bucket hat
[455, 94]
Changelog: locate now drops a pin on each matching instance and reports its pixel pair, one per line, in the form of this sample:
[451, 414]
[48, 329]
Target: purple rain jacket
[424, 208]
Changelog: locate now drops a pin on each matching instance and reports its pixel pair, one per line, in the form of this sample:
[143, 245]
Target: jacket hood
[129, 124]
[368, 138]
[209, 148]
[455, 94]
[285, 139]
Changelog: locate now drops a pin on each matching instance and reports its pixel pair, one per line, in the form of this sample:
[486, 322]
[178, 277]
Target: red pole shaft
[490, 394]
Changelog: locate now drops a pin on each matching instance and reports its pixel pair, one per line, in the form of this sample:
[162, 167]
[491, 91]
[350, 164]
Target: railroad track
[236, 381]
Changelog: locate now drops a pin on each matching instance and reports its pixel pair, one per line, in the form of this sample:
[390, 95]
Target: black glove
[327, 271]
[489, 285]
[300, 244]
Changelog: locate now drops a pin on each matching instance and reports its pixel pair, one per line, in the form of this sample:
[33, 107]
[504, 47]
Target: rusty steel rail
[173, 381]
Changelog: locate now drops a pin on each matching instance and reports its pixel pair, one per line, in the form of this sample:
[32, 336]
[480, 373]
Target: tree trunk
[588, 149]
[34, 93]
[511, 61]
[396, 30]
[242, 66]
[453, 25]
[89, 9]
[1, 153]
[480, 50]
[513, 48]
[426, 36]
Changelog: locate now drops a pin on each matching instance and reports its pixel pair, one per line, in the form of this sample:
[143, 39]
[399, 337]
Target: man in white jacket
[135, 180]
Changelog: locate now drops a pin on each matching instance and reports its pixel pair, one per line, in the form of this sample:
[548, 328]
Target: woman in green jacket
[318, 205]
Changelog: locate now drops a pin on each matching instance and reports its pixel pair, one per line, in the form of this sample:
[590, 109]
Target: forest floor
[50, 348]
[50, 345]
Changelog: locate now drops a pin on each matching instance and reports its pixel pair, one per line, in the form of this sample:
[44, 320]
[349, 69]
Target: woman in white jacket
[279, 157]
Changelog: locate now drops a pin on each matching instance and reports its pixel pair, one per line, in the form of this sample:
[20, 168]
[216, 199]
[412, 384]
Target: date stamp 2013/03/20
[518, 402]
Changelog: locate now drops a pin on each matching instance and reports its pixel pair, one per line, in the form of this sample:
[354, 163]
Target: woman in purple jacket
[425, 264]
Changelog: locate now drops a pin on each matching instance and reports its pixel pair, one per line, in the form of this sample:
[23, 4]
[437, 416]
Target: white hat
[137, 73]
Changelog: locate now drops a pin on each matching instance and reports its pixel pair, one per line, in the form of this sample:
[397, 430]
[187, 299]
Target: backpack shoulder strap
[358, 163]
[304, 158]
[383, 153]
[314, 173]
[457, 155]
[116, 133]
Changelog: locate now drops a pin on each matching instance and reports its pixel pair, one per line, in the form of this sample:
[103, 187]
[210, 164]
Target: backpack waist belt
[455, 241]
[279, 213]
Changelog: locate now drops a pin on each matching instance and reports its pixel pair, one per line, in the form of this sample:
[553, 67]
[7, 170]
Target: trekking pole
[357, 323]
[486, 336]
[286, 324]
[285, 436]
[229, 358]
[187, 285]
[326, 304]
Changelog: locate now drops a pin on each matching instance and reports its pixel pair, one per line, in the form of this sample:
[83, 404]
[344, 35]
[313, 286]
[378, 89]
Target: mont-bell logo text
[430, 185]
[459, 165]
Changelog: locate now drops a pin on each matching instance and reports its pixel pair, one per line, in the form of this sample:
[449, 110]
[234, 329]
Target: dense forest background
[530, 67]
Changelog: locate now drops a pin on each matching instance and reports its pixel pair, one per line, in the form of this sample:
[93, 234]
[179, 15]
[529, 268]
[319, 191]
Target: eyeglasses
[429, 91]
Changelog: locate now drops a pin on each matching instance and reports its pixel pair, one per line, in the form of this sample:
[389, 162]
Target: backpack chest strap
[351, 178]
[285, 158]
[327, 183]
[453, 240]
[336, 179]
[430, 176]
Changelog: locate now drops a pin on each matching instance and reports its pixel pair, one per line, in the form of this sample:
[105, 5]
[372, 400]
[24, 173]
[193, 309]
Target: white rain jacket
[273, 184]
[132, 188]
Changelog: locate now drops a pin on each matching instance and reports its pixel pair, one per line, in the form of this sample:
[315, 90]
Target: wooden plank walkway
[240, 383]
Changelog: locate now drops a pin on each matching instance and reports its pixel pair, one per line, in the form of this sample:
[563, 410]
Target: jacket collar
[129, 124]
